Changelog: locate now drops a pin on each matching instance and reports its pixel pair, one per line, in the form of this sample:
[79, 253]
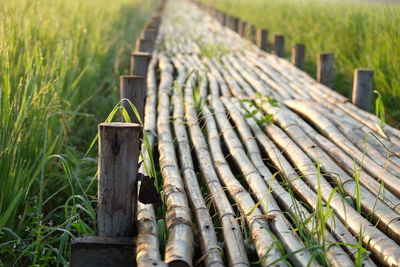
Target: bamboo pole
[255, 219]
[382, 215]
[234, 245]
[329, 130]
[335, 254]
[147, 243]
[118, 158]
[347, 163]
[268, 204]
[206, 231]
[372, 237]
[179, 247]
[341, 231]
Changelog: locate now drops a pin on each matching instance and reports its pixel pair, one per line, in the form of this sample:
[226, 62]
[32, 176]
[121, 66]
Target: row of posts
[363, 78]
[119, 149]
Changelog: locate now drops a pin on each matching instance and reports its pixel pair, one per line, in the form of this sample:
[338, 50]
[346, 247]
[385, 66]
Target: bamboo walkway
[260, 164]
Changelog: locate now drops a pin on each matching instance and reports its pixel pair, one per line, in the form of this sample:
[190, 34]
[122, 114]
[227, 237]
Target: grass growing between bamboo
[360, 34]
[60, 62]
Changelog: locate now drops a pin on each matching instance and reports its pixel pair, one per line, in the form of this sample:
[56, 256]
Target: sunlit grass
[59, 67]
[360, 34]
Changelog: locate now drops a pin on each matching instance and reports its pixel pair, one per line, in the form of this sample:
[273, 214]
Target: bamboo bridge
[257, 162]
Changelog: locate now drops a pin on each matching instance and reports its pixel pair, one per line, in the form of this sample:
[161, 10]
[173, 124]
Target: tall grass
[59, 67]
[360, 34]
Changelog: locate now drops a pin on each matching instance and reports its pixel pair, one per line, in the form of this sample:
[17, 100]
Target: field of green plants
[360, 34]
[59, 66]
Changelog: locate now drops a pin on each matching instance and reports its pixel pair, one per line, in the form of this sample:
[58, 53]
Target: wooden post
[325, 69]
[95, 251]
[298, 53]
[149, 34]
[244, 29]
[362, 88]
[144, 45]
[279, 45]
[133, 89]
[262, 39]
[252, 33]
[236, 24]
[224, 19]
[118, 159]
[231, 22]
[139, 63]
[240, 27]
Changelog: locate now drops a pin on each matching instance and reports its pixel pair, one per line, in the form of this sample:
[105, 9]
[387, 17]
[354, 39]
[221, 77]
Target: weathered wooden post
[241, 26]
[325, 69]
[279, 45]
[144, 45]
[252, 33]
[116, 224]
[362, 88]
[118, 159]
[245, 27]
[236, 24]
[224, 19]
[149, 33]
[133, 88]
[139, 63]
[298, 53]
[262, 39]
[231, 22]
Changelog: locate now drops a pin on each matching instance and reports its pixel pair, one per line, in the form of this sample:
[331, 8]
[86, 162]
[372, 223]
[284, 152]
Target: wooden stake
[362, 88]
[118, 159]
[139, 63]
[236, 24]
[279, 45]
[133, 89]
[242, 28]
[224, 19]
[325, 69]
[298, 53]
[102, 251]
[144, 45]
[262, 39]
[252, 33]
[149, 34]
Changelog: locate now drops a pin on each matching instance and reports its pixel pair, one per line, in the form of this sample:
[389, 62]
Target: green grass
[59, 67]
[360, 34]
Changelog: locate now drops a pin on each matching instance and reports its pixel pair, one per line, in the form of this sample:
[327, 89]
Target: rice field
[361, 34]
[59, 67]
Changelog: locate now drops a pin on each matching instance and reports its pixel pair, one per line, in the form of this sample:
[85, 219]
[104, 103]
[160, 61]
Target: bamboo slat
[179, 247]
[330, 131]
[147, 242]
[335, 255]
[256, 183]
[206, 231]
[233, 240]
[258, 224]
[372, 237]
